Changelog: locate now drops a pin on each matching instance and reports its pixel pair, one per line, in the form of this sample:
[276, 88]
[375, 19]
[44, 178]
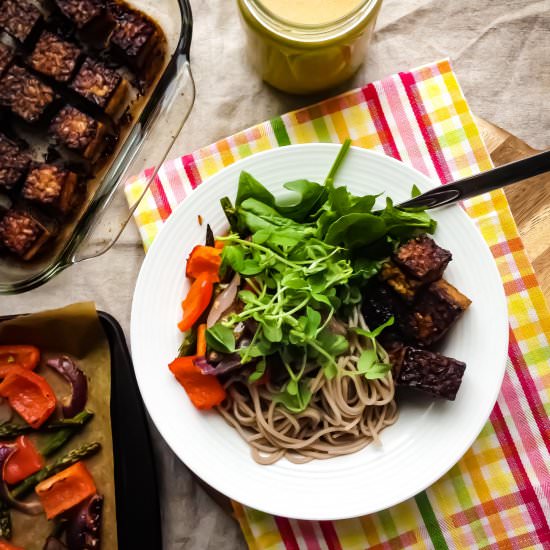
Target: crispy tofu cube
[13, 164]
[101, 86]
[134, 37]
[430, 372]
[435, 311]
[78, 132]
[22, 234]
[6, 57]
[20, 19]
[81, 12]
[54, 57]
[24, 94]
[422, 259]
[51, 186]
[405, 286]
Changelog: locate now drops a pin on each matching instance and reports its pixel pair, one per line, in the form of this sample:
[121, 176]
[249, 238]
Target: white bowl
[429, 437]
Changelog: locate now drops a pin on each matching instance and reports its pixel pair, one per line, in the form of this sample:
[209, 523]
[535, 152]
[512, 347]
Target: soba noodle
[344, 415]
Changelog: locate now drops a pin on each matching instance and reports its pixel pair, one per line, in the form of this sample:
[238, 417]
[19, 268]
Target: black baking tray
[137, 500]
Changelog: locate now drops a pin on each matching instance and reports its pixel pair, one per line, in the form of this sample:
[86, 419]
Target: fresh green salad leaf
[220, 338]
[305, 258]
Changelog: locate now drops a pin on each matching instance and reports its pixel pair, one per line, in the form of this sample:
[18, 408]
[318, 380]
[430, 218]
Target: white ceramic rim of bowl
[232, 484]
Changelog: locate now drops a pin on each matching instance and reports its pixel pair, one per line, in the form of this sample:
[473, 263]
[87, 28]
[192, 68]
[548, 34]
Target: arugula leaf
[220, 338]
[307, 198]
[251, 187]
[355, 230]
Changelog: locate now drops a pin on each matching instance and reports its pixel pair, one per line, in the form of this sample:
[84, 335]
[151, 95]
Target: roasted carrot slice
[66, 489]
[29, 395]
[27, 357]
[25, 461]
[204, 391]
[201, 339]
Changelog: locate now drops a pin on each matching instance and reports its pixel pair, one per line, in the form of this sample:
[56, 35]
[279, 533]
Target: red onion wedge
[228, 363]
[223, 302]
[30, 507]
[84, 528]
[78, 381]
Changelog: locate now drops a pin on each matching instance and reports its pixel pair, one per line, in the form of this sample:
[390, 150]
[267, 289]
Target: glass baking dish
[143, 145]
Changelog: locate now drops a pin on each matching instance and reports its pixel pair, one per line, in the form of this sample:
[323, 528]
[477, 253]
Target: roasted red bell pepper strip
[204, 391]
[25, 461]
[204, 260]
[27, 357]
[196, 301]
[201, 339]
[66, 489]
[5, 545]
[29, 395]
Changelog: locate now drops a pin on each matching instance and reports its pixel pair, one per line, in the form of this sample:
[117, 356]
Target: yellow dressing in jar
[311, 12]
[304, 46]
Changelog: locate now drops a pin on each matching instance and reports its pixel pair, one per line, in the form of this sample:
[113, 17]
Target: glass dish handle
[146, 147]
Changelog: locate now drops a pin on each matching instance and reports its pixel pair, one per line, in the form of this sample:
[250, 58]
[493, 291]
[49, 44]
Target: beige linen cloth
[500, 50]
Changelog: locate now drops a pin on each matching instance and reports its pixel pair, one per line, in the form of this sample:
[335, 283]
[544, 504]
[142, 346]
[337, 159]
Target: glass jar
[303, 59]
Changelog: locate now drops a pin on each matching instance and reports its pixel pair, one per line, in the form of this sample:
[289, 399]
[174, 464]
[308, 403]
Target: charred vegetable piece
[26, 96]
[5, 521]
[430, 372]
[30, 507]
[84, 528]
[81, 12]
[405, 286]
[78, 132]
[22, 234]
[63, 435]
[65, 489]
[4, 545]
[51, 185]
[205, 392]
[54, 57]
[60, 464]
[29, 395]
[101, 86]
[25, 461]
[135, 37]
[13, 163]
[78, 381]
[27, 357]
[53, 543]
[19, 18]
[423, 259]
[6, 57]
[196, 301]
[379, 305]
[204, 260]
[435, 312]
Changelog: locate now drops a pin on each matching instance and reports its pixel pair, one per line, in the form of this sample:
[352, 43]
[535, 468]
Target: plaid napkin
[498, 495]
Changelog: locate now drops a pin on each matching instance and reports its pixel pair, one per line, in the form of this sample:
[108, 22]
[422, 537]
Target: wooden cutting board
[529, 200]
[530, 205]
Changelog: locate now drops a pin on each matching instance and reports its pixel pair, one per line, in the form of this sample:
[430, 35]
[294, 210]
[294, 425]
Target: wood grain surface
[529, 200]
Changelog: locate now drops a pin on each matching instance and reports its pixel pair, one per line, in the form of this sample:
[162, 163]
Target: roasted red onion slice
[228, 363]
[30, 507]
[84, 528]
[79, 384]
[224, 301]
[54, 544]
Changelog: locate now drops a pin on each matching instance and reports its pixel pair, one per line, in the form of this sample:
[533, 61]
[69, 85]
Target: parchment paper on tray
[75, 331]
